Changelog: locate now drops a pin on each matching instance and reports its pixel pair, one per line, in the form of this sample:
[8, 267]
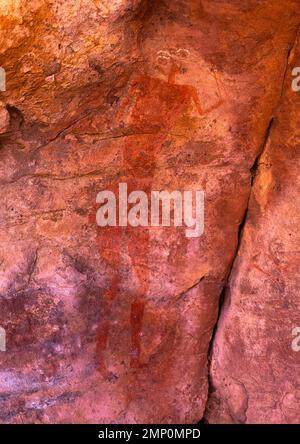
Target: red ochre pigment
[152, 108]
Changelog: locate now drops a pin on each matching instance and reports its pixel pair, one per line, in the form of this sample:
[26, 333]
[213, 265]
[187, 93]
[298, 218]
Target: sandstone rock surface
[114, 325]
[255, 362]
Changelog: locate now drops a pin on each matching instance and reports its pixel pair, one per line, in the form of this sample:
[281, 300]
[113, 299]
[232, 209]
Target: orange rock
[255, 368]
[114, 325]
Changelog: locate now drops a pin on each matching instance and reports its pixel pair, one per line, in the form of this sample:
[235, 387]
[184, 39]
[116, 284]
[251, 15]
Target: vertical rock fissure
[253, 172]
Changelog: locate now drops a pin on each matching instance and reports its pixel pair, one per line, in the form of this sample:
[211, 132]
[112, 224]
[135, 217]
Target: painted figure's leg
[103, 331]
[136, 321]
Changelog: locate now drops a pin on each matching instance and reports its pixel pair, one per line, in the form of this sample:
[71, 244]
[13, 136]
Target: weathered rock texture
[255, 370]
[115, 325]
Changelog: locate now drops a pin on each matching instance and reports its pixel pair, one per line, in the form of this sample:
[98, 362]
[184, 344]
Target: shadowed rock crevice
[226, 290]
[163, 95]
[214, 411]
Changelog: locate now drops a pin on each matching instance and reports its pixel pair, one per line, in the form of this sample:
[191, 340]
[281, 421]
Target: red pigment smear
[103, 330]
[136, 322]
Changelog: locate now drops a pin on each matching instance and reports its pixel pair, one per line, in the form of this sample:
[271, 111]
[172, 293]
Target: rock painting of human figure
[152, 107]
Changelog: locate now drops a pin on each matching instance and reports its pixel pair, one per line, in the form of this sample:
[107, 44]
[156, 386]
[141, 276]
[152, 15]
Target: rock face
[115, 324]
[255, 364]
[4, 119]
